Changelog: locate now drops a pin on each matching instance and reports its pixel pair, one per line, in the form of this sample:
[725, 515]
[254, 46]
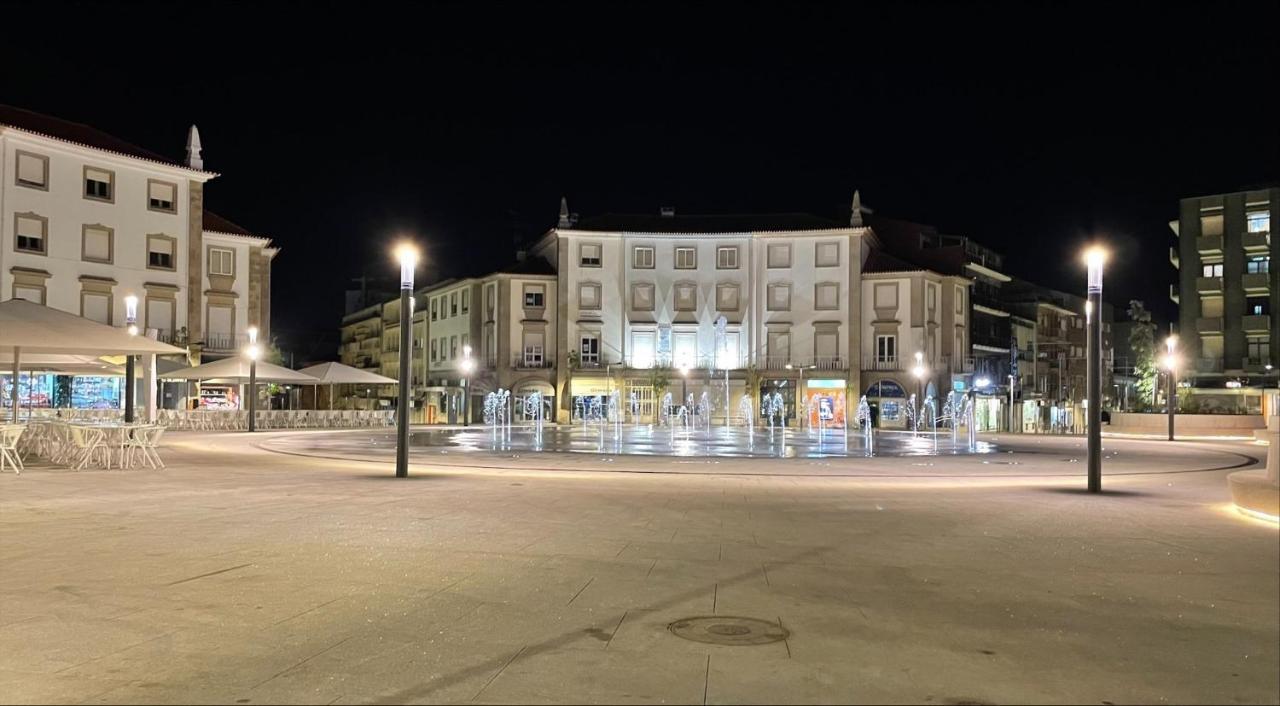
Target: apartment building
[1227, 296]
[87, 219]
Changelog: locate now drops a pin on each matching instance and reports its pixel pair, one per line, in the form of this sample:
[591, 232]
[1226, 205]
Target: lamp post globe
[467, 366]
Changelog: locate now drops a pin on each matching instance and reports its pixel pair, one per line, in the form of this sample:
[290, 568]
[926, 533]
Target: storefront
[49, 390]
[888, 402]
[988, 412]
[785, 389]
[219, 396]
[826, 402]
[521, 397]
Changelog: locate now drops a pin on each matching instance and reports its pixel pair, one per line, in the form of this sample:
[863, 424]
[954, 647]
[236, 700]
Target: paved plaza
[293, 568]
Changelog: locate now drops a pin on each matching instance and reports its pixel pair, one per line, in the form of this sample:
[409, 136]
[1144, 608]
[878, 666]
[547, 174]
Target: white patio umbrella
[339, 374]
[236, 370]
[26, 327]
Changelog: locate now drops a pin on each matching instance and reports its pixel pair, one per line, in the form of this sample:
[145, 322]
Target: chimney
[566, 219]
[668, 211]
[194, 160]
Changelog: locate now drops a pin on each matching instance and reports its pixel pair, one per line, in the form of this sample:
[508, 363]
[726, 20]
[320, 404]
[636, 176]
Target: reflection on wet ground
[646, 440]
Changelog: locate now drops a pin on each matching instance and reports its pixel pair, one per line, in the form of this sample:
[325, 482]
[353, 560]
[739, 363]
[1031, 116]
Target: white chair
[9, 456]
[86, 444]
[145, 441]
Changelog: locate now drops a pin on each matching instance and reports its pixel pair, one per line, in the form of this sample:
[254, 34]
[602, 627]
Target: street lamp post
[467, 366]
[1171, 366]
[253, 352]
[1095, 258]
[919, 372]
[408, 257]
[131, 321]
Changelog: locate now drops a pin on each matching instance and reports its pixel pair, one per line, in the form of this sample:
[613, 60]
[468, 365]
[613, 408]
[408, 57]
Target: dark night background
[1028, 127]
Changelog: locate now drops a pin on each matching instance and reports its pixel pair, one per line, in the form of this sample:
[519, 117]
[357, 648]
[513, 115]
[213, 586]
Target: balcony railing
[1257, 242]
[225, 341]
[1256, 323]
[1257, 282]
[881, 363]
[1209, 244]
[1208, 365]
[523, 362]
[1208, 285]
[1209, 324]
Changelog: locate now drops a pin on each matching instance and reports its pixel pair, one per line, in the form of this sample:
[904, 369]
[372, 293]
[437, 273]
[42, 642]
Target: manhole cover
[728, 630]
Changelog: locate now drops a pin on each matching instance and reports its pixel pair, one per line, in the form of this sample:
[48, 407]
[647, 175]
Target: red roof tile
[79, 134]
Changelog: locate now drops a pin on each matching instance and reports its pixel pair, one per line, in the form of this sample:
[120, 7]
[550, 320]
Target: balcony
[1258, 365]
[1208, 365]
[1173, 257]
[1256, 323]
[881, 364]
[1257, 242]
[523, 362]
[225, 342]
[1209, 285]
[1209, 325]
[1173, 294]
[1257, 282]
[1209, 245]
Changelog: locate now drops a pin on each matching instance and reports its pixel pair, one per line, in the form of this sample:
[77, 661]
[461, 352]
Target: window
[827, 254]
[778, 346]
[33, 171]
[642, 296]
[1214, 270]
[161, 252]
[1258, 350]
[98, 184]
[435, 308]
[642, 348]
[533, 297]
[727, 297]
[160, 315]
[32, 232]
[533, 350]
[779, 297]
[778, 255]
[826, 296]
[885, 296]
[453, 304]
[96, 306]
[886, 349]
[686, 296]
[162, 196]
[826, 347]
[1210, 224]
[684, 348]
[222, 261]
[466, 300]
[589, 296]
[453, 347]
[642, 257]
[96, 243]
[959, 300]
[589, 254]
[589, 349]
[1259, 221]
[433, 350]
[1258, 265]
[686, 259]
[727, 257]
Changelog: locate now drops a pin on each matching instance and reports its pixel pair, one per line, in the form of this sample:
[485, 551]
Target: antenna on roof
[193, 149]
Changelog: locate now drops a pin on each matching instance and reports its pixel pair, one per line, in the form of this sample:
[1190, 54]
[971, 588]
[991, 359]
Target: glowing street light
[131, 322]
[1171, 365]
[253, 352]
[407, 256]
[919, 372]
[1095, 257]
[467, 365]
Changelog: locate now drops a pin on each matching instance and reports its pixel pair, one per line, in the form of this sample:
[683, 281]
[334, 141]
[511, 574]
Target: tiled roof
[529, 266]
[880, 261]
[733, 223]
[214, 222]
[80, 134]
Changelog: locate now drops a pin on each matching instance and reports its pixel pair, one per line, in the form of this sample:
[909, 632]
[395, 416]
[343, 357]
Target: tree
[1142, 341]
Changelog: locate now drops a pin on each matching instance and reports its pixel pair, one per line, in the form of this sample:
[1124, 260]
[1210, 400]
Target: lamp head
[1095, 256]
[1171, 342]
[918, 371]
[253, 334]
[466, 351]
[982, 382]
[131, 312]
[919, 356]
[407, 256]
[133, 329]
[790, 366]
[684, 370]
[253, 352]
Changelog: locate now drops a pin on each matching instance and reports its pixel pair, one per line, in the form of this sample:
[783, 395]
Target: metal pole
[128, 388]
[402, 403]
[17, 371]
[1095, 372]
[466, 400]
[253, 393]
[1172, 398]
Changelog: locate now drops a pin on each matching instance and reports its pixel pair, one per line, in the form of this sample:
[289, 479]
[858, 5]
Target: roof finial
[565, 220]
[193, 149]
[855, 212]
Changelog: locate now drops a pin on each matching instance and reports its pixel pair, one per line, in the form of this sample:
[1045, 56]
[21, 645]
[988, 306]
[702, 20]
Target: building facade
[87, 220]
[1228, 297]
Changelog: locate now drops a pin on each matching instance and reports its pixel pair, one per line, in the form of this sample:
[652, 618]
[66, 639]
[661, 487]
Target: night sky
[337, 127]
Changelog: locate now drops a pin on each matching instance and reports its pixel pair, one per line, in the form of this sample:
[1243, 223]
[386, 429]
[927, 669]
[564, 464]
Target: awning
[339, 374]
[236, 370]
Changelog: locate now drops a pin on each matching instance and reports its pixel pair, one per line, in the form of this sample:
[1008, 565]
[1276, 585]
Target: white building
[643, 292]
[87, 219]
